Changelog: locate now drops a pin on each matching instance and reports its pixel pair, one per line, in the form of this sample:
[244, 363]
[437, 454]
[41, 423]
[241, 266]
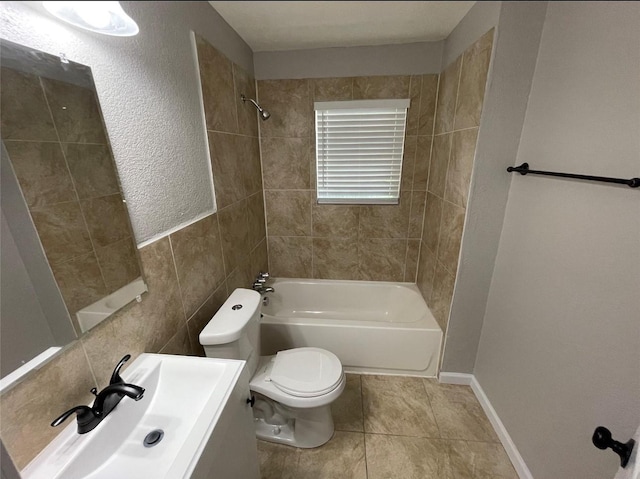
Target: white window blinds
[359, 146]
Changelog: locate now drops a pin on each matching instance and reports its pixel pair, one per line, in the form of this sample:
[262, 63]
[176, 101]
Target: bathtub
[373, 327]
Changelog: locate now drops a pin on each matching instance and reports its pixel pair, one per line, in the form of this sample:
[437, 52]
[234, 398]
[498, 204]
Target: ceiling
[297, 25]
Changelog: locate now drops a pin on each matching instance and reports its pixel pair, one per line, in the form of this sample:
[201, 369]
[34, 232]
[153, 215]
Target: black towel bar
[523, 169]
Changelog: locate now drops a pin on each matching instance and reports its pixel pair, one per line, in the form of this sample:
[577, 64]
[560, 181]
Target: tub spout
[261, 288]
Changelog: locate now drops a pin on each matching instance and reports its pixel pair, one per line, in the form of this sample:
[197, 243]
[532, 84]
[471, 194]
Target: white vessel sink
[184, 397]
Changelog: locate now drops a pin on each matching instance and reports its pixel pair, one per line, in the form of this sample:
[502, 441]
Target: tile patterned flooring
[400, 428]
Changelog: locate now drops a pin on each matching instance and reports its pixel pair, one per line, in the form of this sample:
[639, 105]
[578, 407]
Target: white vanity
[194, 421]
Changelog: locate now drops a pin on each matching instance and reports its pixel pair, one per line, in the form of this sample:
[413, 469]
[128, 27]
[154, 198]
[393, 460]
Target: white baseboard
[509, 446]
[456, 378]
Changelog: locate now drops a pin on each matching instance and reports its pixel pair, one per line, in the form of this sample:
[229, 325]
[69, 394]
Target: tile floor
[400, 428]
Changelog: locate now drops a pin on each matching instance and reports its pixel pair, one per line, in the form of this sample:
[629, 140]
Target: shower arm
[244, 98]
[264, 114]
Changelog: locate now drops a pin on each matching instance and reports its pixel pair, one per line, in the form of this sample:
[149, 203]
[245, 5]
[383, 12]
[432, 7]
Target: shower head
[264, 114]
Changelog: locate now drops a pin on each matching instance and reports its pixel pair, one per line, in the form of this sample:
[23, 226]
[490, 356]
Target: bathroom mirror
[69, 259]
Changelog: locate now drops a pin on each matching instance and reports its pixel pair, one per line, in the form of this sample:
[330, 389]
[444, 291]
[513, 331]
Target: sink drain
[153, 438]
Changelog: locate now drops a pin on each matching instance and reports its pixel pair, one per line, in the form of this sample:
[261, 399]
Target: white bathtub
[373, 327]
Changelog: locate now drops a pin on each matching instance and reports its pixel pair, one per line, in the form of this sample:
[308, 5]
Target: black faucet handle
[85, 414]
[115, 377]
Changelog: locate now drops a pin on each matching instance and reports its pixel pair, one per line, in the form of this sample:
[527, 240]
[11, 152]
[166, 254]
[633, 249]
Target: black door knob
[602, 440]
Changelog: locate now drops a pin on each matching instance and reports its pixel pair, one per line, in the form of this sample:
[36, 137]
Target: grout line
[455, 131]
[432, 437]
[441, 225]
[75, 191]
[170, 339]
[311, 95]
[222, 132]
[415, 279]
[420, 437]
[291, 189]
[175, 269]
[263, 190]
[402, 238]
[433, 130]
[93, 374]
[435, 419]
[419, 97]
[446, 201]
[311, 98]
[224, 262]
[364, 433]
[202, 304]
[421, 233]
[18, 140]
[447, 269]
[277, 137]
[37, 208]
[236, 97]
[56, 263]
[406, 254]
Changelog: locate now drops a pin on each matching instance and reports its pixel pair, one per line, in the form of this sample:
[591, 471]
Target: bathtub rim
[427, 318]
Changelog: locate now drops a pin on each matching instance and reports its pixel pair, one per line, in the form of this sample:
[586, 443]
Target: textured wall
[459, 104]
[560, 345]
[148, 89]
[307, 240]
[190, 273]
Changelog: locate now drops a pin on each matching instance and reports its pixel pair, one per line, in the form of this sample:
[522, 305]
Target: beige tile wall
[308, 240]
[457, 119]
[232, 129]
[58, 147]
[190, 273]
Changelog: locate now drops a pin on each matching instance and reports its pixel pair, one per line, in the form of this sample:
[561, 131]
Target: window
[359, 146]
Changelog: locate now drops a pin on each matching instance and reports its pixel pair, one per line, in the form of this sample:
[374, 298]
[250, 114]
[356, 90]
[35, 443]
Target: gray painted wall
[560, 345]
[515, 50]
[24, 332]
[149, 91]
[7, 468]
[480, 19]
[404, 59]
[27, 258]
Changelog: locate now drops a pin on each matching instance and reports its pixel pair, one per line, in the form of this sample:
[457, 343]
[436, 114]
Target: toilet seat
[306, 372]
[262, 383]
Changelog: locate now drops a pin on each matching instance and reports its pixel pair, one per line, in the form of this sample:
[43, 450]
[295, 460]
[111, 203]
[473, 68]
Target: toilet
[293, 390]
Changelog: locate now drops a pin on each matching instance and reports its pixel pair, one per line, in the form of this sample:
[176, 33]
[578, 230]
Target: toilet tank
[234, 331]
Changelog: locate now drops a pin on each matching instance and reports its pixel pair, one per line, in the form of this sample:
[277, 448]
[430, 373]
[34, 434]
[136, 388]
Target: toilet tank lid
[227, 324]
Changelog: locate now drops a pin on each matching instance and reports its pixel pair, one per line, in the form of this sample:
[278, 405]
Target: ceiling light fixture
[101, 17]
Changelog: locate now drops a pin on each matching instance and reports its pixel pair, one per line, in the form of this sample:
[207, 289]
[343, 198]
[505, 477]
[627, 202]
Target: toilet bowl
[293, 389]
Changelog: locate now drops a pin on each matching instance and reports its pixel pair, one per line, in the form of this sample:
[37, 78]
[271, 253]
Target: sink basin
[184, 398]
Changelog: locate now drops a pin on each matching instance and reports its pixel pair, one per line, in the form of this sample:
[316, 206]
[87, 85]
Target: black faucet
[106, 400]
